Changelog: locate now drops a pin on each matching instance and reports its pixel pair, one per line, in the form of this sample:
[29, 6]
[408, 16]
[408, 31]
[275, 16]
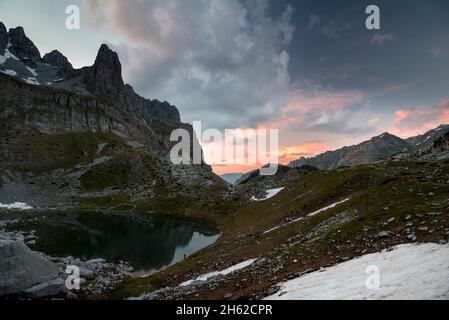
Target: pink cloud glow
[303, 103]
[415, 121]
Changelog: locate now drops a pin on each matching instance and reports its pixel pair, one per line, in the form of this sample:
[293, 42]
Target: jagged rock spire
[105, 76]
[22, 47]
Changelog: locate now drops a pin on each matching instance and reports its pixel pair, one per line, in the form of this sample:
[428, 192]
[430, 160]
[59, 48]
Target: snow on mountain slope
[205, 277]
[269, 194]
[410, 271]
[16, 205]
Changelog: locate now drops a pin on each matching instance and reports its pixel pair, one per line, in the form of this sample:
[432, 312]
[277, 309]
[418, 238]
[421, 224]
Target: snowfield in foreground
[270, 194]
[229, 270]
[410, 271]
[16, 205]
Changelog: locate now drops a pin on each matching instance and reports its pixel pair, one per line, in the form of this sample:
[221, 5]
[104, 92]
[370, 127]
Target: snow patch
[270, 194]
[16, 205]
[7, 55]
[9, 72]
[328, 207]
[33, 72]
[31, 80]
[227, 271]
[409, 271]
[310, 215]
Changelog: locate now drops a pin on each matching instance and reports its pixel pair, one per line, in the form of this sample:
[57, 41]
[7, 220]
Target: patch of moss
[113, 173]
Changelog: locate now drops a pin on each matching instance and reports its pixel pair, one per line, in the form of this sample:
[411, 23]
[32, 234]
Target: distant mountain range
[372, 150]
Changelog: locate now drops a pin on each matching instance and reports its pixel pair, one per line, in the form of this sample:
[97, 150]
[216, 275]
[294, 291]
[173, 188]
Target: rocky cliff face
[82, 138]
[53, 111]
[3, 38]
[22, 47]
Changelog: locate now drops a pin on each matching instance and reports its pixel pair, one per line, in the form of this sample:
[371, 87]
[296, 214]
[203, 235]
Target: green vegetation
[113, 173]
[27, 149]
[389, 202]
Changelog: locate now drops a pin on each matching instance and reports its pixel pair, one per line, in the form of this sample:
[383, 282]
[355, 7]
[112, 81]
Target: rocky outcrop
[22, 47]
[441, 144]
[21, 268]
[47, 289]
[59, 61]
[4, 38]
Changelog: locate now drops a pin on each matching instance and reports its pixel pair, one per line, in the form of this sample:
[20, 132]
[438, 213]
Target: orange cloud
[400, 115]
[308, 149]
[411, 122]
[233, 168]
[323, 100]
[286, 155]
[303, 103]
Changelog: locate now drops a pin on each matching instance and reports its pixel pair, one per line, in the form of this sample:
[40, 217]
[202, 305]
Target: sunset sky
[308, 68]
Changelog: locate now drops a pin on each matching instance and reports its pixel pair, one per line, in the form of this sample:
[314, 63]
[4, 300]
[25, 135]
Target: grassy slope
[26, 149]
[379, 192]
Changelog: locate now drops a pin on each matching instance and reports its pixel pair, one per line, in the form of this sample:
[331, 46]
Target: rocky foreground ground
[28, 274]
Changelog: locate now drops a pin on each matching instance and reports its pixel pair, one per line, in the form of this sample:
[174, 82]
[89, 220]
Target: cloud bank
[223, 62]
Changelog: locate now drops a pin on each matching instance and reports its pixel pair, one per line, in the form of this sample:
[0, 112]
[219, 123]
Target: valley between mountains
[80, 146]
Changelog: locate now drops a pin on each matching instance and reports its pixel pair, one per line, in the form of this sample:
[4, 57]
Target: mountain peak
[106, 55]
[385, 135]
[105, 76]
[58, 60]
[21, 46]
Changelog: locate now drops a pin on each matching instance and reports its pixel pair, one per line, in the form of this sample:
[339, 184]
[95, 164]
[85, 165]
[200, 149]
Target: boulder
[47, 289]
[86, 273]
[94, 263]
[21, 268]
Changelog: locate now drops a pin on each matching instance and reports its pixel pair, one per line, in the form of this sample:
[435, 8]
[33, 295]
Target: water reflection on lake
[148, 243]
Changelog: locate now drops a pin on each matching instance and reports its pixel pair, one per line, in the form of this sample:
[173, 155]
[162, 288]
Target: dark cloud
[224, 62]
[241, 63]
